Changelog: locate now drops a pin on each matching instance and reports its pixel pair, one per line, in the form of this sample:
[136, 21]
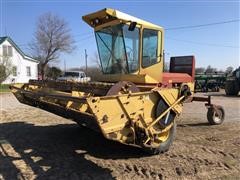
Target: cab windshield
[118, 49]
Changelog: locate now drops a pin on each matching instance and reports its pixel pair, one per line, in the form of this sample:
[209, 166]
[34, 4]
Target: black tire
[161, 107]
[164, 146]
[215, 115]
[231, 88]
[81, 125]
[205, 89]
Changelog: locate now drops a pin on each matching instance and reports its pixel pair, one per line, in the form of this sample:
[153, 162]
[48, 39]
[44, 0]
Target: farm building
[23, 66]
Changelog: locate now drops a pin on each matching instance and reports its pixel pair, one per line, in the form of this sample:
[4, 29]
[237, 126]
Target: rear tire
[215, 115]
[231, 88]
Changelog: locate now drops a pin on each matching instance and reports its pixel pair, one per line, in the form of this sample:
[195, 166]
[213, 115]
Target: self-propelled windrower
[134, 101]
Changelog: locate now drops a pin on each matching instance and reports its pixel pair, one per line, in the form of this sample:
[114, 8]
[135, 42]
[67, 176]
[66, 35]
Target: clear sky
[216, 45]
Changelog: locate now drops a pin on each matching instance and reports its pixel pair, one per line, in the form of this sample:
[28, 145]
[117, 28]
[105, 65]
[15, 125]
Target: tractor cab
[129, 48]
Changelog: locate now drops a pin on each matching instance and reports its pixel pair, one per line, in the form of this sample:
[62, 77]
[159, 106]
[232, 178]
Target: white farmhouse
[23, 66]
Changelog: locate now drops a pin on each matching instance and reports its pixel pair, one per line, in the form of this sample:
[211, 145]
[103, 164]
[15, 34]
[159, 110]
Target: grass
[4, 88]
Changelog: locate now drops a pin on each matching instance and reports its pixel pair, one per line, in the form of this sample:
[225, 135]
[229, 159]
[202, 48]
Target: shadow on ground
[220, 94]
[201, 124]
[62, 148]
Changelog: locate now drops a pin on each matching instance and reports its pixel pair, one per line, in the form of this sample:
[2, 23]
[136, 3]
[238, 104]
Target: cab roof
[115, 14]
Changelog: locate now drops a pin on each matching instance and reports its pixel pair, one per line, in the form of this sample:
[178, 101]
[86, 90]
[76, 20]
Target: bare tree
[210, 70]
[166, 66]
[52, 37]
[94, 72]
[5, 68]
[199, 70]
[229, 70]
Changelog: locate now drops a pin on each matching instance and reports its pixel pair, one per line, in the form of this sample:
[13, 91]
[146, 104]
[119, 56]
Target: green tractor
[232, 84]
[209, 82]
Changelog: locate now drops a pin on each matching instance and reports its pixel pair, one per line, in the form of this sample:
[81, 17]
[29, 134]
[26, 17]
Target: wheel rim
[161, 138]
[164, 136]
[217, 116]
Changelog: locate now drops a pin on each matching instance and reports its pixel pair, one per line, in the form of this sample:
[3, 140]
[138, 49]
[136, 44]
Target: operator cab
[119, 49]
[130, 49]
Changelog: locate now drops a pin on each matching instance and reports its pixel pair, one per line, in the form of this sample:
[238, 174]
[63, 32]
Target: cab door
[152, 54]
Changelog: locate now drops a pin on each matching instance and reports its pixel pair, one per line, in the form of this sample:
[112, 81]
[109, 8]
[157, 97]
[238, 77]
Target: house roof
[7, 38]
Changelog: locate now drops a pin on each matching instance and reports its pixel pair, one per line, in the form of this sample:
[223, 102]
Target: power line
[203, 25]
[181, 40]
[78, 41]
[84, 38]
[89, 35]
[202, 43]
[83, 34]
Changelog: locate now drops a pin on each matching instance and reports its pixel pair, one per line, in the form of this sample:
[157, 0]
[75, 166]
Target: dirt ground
[35, 144]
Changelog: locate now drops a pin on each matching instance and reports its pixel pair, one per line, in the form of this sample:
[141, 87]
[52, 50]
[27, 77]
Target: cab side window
[150, 47]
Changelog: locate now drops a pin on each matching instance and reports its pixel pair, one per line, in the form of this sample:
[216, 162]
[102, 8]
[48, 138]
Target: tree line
[210, 70]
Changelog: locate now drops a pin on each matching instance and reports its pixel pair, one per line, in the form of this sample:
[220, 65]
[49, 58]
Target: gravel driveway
[35, 144]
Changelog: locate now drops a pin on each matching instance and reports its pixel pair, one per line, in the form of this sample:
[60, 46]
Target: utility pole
[64, 65]
[86, 61]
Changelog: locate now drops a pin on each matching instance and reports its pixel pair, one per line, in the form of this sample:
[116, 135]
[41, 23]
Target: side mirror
[132, 26]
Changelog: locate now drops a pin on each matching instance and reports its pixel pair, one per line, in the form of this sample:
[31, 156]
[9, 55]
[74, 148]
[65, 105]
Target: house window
[7, 51]
[14, 70]
[4, 50]
[10, 51]
[28, 71]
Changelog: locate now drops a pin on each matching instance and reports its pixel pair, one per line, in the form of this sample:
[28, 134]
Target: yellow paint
[121, 117]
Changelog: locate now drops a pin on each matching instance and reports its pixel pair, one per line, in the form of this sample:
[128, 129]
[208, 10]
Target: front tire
[166, 137]
[163, 146]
